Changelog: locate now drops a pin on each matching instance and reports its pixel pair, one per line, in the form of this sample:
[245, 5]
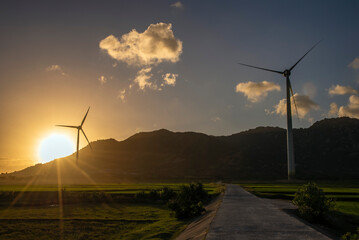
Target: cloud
[56, 68]
[177, 5]
[310, 89]
[303, 102]
[121, 95]
[341, 90]
[143, 77]
[254, 91]
[333, 112]
[352, 109]
[354, 64]
[155, 45]
[216, 119]
[170, 78]
[102, 80]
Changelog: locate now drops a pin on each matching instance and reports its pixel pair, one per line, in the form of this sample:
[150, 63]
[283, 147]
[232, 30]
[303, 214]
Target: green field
[344, 217]
[108, 188]
[35, 213]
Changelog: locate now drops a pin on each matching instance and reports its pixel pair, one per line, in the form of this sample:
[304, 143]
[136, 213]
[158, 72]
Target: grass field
[109, 219]
[345, 216]
[107, 188]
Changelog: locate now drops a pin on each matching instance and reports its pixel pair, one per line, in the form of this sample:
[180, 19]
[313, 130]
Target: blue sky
[52, 67]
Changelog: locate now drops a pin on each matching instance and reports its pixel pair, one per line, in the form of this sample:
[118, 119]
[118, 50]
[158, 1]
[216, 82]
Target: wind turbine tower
[79, 128]
[289, 91]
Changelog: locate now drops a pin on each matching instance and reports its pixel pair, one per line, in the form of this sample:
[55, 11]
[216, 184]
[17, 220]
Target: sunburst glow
[55, 146]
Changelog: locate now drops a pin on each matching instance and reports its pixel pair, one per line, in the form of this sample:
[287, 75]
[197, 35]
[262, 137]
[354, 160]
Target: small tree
[312, 202]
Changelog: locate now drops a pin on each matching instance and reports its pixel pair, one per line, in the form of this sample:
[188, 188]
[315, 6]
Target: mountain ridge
[329, 149]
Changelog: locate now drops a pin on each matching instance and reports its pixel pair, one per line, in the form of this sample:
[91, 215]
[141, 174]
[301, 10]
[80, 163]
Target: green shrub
[351, 236]
[154, 195]
[167, 193]
[189, 201]
[312, 202]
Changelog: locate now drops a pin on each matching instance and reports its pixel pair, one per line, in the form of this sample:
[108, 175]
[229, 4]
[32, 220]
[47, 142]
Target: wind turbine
[290, 148]
[79, 128]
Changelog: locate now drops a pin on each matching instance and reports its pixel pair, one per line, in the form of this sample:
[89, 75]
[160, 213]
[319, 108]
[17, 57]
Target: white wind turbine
[79, 128]
[290, 148]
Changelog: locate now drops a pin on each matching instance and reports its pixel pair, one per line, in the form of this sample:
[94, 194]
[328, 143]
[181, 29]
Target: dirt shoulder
[198, 229]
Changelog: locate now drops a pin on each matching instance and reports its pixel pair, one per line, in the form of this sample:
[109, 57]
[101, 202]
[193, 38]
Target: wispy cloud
[352, 109]
[170, 79]
[177, 5]
[354, 64]
[341, 90]
[56, 68]
[102, 80]
[309, 89]
[256, 91]
[122, 95]
[333, 111]
[216, 119]
[155, 45]
[303, 102]
[143, 77]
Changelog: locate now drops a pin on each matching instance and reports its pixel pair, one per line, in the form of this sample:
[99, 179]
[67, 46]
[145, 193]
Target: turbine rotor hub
[286, 73]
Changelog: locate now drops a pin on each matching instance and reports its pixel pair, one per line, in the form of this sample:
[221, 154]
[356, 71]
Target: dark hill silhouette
[329, 149]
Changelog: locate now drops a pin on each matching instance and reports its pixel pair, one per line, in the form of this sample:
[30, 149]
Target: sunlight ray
[20, 194]
[95, 185]
[59, 189]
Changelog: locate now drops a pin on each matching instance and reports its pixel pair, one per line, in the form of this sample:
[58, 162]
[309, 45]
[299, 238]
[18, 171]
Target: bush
[351, 236]
[312, 202]
[189, 201]
[167, 193]
[153, 195]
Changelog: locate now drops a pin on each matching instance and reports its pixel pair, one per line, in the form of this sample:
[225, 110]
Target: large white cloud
[341, 90]
[256, 91]
[352, 109]
[354, 64]
[145, 50]
[155, 45]
[303, 102]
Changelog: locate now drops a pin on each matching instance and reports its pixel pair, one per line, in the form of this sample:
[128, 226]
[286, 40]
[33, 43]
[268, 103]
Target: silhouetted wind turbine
[290, 149]
[79, 128]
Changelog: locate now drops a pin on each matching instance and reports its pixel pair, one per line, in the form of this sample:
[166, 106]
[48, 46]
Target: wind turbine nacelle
[286, 73]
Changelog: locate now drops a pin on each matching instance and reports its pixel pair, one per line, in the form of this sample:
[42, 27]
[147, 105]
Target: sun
[55, 146]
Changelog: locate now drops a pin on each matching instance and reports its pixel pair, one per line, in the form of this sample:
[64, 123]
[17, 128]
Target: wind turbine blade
[265, 69]
[295, 104]
[66, 126]
[290, 69]
[86, 138]
[83, 120]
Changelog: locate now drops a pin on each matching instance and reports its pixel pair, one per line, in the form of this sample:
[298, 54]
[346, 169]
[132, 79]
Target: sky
[147, 65]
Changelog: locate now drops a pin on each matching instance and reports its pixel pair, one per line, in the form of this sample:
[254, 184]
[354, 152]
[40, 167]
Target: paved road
[245, 216]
